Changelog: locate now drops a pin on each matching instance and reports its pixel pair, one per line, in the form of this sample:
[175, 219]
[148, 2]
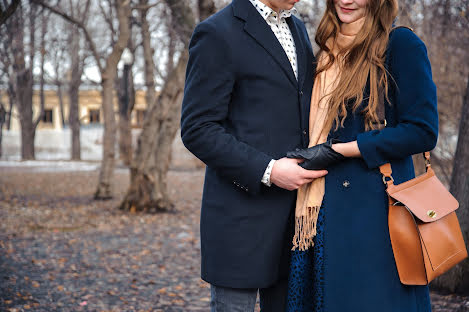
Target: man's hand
[288, 175]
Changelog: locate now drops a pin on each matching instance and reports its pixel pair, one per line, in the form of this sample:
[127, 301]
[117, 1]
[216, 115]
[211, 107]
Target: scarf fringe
[306, 229]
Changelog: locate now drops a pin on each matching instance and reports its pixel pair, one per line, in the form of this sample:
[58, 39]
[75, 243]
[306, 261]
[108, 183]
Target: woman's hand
[318, 157]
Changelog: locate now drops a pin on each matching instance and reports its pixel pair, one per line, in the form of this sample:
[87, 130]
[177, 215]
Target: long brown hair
[362, 60]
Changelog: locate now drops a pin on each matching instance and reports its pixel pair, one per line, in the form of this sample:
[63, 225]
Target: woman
[342, 259]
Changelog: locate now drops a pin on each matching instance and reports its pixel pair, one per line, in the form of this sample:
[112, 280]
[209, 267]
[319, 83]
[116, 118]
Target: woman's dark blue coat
[360, 272]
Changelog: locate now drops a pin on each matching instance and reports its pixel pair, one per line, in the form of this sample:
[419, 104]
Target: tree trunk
[74, 121]
[126, 103]
[61, 103]
[1, 134]
[42, 78]
[11, 100]
[150, 94]
[24, 85]
[206, 8]
[148, 175]
[104, 190]
[8, 11]
[148, 187]
[2, 121]
[74, 86]
[457, 279]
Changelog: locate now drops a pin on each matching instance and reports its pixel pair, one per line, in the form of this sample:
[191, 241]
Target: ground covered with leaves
[62, 251]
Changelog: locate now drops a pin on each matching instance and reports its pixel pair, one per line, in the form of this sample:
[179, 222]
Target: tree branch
[4, 15]
[145, 7]
[72, 20]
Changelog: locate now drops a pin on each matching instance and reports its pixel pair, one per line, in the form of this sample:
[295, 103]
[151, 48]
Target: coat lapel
[300, 51]
[257, 28]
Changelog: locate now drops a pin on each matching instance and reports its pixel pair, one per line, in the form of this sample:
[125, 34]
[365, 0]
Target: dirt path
[62, 251]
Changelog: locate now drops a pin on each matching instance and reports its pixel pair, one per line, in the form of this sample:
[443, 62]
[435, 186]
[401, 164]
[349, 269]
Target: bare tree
[42, 50]
[57, 58]
[81, 12]
[7, 9]
[108, 72]
[23, 72]
[150, 94]
[107, 78]
[148, 186]
[2, 121]
[457, 279]
[6, 62]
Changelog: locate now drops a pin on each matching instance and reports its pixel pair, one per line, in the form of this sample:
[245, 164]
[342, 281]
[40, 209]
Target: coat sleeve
[416, 130]
[210, 79]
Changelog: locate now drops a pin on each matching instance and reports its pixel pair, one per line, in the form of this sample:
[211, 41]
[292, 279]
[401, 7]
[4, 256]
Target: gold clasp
[431, 213]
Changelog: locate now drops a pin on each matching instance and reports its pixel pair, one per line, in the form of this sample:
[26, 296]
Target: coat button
[301, 92]
[304, 132]
[346, 183]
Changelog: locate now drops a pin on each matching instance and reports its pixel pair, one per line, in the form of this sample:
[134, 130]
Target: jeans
[226, 299]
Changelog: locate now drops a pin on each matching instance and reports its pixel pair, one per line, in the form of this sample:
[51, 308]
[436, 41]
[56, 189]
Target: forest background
[70, 45]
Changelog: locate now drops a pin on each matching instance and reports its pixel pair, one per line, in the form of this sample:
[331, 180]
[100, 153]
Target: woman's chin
[348, 18]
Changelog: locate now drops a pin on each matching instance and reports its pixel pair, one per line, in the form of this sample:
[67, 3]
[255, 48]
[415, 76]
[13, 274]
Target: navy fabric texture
[232, 300]
[243, 107]
[352, 267]
[306, 280]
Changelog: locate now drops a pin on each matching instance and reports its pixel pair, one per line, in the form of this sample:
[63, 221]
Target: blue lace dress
[306, 279]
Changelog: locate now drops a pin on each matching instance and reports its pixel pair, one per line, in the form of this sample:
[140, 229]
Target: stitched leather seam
[446, 260]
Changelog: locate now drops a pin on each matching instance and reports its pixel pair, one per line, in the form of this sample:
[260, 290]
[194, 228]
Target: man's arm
[209, 83]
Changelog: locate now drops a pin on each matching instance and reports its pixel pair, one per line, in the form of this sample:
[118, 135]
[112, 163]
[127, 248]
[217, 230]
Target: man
[246, 103]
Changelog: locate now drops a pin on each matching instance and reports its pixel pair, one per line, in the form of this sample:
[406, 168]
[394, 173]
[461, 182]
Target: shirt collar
[266, 11]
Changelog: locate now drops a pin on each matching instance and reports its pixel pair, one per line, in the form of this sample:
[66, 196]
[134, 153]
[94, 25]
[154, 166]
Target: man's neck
[267, 3]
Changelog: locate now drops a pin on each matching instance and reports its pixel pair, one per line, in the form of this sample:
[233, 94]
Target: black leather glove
[318, 157]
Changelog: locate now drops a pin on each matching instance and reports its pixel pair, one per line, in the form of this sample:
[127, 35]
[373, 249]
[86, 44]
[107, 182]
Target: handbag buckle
[386, 181]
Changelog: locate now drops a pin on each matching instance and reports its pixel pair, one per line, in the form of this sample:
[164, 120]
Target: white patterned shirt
[280, 28]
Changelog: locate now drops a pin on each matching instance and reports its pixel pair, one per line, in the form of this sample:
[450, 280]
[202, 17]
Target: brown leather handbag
[425, 234]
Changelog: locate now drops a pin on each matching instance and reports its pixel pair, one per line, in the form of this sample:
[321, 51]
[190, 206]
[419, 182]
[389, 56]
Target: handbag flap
[425, 196]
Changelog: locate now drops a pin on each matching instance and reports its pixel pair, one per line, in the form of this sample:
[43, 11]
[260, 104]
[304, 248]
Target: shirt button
[346, 183]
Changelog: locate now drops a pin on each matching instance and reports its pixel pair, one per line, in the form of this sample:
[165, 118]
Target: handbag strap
[386, 169]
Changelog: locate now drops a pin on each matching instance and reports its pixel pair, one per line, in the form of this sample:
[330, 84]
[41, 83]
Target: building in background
[89, 108]
[52, 141]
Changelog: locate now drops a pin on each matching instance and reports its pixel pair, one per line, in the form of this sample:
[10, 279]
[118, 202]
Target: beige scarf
[310, 196]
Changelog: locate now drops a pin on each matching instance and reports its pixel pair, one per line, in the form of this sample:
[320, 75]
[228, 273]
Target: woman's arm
[349, 149]
[416, 129]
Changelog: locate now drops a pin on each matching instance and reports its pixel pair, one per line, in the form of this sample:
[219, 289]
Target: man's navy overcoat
[243, 107]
